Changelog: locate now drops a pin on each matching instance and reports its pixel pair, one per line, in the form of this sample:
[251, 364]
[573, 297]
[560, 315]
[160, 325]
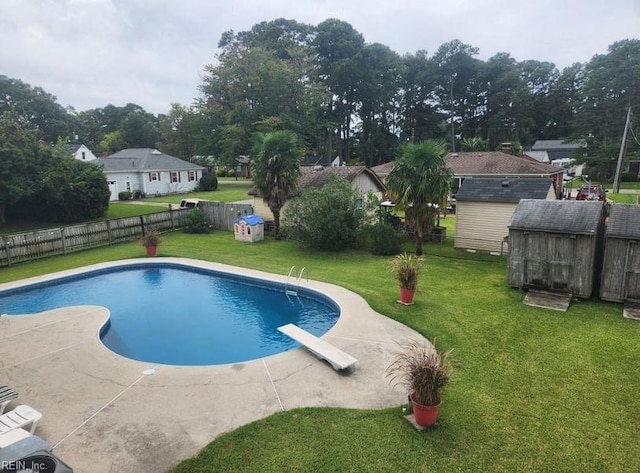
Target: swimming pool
[182, 315]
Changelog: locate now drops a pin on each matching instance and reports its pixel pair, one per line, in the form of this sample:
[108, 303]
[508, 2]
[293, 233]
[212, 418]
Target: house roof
[545, 145]
[70, 147]
[311, 160]
[497, 164]
[503, 190]
[558, 216]
[312, 177]
[624, 221]
[383, 169]
[540, 156]
[144, 160]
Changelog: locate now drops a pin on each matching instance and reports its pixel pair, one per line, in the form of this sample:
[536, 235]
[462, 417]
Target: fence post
[109, 237]
[7, 250]
[142, 223]
[173, 225]
[64, 240]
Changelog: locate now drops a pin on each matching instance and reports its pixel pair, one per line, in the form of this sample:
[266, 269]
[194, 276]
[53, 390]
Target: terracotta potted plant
[406, 267]
[425, 373]
[150, 240]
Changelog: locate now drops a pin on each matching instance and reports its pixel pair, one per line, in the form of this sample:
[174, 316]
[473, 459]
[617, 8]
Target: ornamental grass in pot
[425, 373]
[150, 240]
[406, 268]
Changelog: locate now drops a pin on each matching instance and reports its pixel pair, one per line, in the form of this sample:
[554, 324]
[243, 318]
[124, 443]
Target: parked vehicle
[591, 192]
[190, 203]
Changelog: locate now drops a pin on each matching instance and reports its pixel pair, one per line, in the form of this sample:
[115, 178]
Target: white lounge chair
[6, 396]
[20, 417]
[319, 347]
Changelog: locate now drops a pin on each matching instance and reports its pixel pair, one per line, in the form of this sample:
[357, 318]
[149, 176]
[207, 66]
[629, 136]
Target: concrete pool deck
[102, 413]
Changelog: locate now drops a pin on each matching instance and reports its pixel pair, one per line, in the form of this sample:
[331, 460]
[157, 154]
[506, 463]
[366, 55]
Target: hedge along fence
[27, 246]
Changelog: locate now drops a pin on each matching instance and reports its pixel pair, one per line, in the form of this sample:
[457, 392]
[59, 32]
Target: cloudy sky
[91, 53]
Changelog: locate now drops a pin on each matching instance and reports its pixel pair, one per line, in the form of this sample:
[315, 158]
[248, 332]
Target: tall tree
[21, 156]
[276, 171]
[36, 107]
[338, 45]
[419, 183]
[611, 85]
[420, 117]
[378, 93]
[182, 132]
[457, 86]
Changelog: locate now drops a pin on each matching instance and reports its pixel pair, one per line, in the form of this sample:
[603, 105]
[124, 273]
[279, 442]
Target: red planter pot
[151, 250]
[425, 416]
[406, 295]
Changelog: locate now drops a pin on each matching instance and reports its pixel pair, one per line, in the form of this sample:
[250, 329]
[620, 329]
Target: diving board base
[337, 358]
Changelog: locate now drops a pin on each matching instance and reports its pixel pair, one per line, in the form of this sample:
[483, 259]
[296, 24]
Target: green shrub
[194, 221]
[231, 173]
[383, 239]
[628, 177]
[221, 172]
[327, 218]
[125, 195]
[208, 182]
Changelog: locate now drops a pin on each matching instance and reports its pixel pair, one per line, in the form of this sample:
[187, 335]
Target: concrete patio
[102, 413]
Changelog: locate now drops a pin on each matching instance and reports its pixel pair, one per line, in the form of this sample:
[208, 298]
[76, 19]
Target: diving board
[322, 349]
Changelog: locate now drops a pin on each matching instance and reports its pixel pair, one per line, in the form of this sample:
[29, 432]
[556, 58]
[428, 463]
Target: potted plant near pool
[150, 240]
[406, 267]
[425, 373]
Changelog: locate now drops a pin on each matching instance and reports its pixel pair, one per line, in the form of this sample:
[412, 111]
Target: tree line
[360, 101]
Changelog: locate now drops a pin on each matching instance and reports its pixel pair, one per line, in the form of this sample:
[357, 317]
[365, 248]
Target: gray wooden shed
[554, 245]
[621, 262]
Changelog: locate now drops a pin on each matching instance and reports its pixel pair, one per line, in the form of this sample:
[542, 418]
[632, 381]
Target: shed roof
[503, 190]
[578, 217]
[144, 159]
[624, 221]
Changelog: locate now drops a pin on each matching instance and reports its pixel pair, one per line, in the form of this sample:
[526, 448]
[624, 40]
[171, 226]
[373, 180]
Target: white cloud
[90, 53]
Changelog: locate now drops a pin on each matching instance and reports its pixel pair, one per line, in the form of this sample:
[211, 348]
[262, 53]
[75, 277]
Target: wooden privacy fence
[221, 216]
[26, 246]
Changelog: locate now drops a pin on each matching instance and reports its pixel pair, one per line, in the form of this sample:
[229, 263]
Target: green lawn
[539, 390]
[228, 191]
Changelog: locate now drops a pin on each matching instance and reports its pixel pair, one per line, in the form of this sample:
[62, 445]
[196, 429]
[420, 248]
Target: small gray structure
[554, 245]
[621, 266]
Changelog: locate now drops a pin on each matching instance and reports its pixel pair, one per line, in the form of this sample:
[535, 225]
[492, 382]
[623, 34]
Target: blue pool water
[177, 315]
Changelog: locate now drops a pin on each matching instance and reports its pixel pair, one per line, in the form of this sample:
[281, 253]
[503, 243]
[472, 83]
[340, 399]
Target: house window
[154, 176]
[175, 176]
[191, 175]
[84, 155]
[359, 204]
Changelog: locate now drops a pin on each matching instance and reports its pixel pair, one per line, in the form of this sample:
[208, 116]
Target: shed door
[548, 261]
[562, 256]
[632, 272]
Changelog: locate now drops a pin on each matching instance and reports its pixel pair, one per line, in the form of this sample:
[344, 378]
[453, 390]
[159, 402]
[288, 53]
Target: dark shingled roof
[497, 164]
[578, 217]
[503, 190]
[624, 221]
[144, 159]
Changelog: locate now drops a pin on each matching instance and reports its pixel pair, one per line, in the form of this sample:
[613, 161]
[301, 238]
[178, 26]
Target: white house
[78, 151]
[148, 171]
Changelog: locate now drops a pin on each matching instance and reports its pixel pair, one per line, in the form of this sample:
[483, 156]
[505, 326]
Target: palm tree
[419, 183]
[276, 170]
